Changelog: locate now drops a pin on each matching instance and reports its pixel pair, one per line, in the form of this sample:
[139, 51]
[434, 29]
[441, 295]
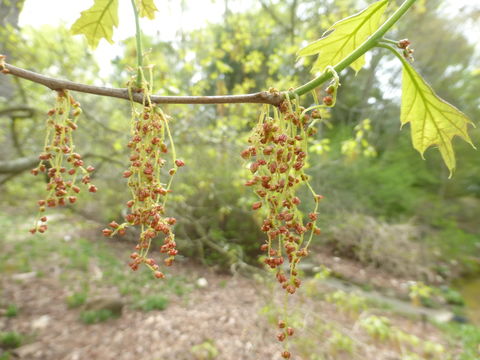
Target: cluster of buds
[3, 68]
[59, 162]
[278, 155]
[285, 331]
[149, 194]
[404, 44]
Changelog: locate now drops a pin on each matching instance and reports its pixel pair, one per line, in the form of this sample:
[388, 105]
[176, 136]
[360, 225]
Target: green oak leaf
[146, 8]
[97, 22]
[345, 36]
[433, 121]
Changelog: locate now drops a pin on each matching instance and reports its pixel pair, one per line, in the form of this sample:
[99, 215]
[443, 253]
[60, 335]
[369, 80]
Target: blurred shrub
[457, 249]
[216, 224]
[395, 248]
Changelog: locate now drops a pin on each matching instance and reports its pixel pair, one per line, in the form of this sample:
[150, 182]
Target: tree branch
[274, 16]
[18, 112]
[17, 165]
[263, 97]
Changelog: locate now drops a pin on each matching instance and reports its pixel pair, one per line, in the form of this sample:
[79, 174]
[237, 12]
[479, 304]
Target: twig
[18, 112]
[264, 97]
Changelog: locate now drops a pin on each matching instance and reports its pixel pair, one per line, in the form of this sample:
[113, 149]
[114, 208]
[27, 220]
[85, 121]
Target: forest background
[385, 208]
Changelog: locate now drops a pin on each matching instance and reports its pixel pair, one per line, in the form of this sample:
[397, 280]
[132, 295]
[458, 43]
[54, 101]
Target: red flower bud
[328, 100]
[159, 275]
[107, 232]
[257, 205]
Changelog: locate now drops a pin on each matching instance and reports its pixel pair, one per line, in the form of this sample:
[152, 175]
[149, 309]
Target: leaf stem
[138, 37]
[389, 41]
[361, 50]
[394, 51]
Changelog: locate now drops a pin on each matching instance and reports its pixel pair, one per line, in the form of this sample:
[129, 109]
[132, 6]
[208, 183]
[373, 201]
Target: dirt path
[222, 317]
[225, 317]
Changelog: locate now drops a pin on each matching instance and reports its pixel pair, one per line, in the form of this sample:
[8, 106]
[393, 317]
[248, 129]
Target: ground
[196, 313]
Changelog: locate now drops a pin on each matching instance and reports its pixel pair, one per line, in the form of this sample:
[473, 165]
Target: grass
[90, 317]
[205, 351]
[469, 337]
[76, 258]
[77, 299]
[153, 302]
[11, 311]
[10, 340]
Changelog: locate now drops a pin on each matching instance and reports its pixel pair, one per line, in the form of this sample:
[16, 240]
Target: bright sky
[167, 21]
[166, 24]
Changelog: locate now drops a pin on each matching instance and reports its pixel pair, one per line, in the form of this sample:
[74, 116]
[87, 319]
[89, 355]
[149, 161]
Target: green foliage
[343, 37]
[378, 327]
[347, 302]
[77, 259]
[10, 340]
[146, 8]
[214, 205]
[339, 343]
[153, 302]
[469, 337]
[205, 351]
[77, 299]
[11, 310]
[394, 186]
[381, 329]
[433, 120]
[98, 22]
[455, 245]
[244, 57]
[419, 292]
[90, 317]
[359, 146]
[452, 296]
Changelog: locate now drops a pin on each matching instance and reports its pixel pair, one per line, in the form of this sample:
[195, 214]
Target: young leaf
[433, 121]
[345, 36]
[97, 22]
[146, 8]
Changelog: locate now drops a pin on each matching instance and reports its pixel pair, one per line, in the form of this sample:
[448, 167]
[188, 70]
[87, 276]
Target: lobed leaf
[97, 22]
[345, 36]
[433, 121]
[146, 8]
